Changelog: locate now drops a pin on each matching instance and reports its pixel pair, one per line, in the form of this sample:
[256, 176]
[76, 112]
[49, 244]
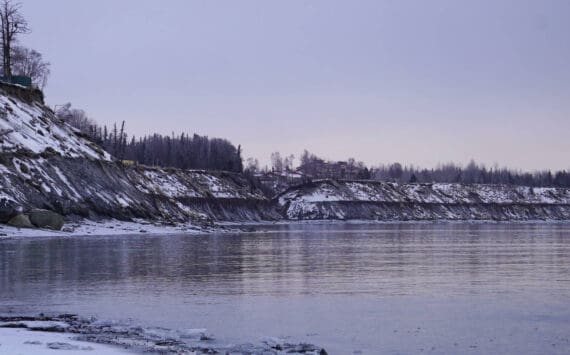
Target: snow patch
[33, 127]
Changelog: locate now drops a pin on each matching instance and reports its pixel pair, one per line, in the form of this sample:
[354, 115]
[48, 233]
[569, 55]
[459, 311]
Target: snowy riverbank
[23, 341]
[39, 335]
[105, 227]
[115, 227]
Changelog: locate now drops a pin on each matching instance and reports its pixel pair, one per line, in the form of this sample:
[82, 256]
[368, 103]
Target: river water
[351, 288]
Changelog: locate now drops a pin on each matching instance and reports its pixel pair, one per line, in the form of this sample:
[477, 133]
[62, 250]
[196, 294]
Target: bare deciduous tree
[30, 63]
[75, 117]
[12, 24]
[277, 162]
[252, 165]
[288, 162]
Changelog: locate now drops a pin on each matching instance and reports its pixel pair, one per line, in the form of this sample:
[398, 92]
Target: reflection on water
[292, 266]
[351, 259]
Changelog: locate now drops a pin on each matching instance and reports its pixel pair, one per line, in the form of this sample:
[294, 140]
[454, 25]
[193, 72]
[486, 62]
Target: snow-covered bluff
[47, 164]
[328, 199]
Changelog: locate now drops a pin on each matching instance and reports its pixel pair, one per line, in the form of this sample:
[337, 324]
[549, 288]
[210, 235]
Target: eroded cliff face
[49, 165]
[91, 188]
[369, 200]
[46, 164]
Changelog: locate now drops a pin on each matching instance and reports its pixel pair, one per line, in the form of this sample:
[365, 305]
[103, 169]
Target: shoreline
[39, 335]
[113, 227]
[382, 222]
[24, 341]
[106, 227]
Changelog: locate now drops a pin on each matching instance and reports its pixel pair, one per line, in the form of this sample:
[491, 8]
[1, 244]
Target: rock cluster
[36, 218]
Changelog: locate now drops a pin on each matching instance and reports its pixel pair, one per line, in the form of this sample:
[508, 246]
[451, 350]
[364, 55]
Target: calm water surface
[371, 289]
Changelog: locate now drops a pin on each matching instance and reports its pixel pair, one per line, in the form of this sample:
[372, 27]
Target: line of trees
[198, 152]
[315, 167]
[180, 151]
[183, 151]
[473, 173]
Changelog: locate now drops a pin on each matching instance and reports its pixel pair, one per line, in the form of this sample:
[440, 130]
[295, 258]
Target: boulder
[46, 219]
[8, 209]
[20, 221]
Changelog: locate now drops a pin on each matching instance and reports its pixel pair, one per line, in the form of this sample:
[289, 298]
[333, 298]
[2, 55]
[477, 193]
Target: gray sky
[420, 82]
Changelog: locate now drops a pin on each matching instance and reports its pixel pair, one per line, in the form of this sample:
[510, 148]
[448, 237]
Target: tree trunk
[6, 47]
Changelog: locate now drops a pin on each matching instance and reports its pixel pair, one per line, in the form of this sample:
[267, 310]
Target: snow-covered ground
[103, 227]
[17, 341]
[27, 126]
[115, 227]
[327, 199]
[186, 184]
[72, 334]
[373, 191]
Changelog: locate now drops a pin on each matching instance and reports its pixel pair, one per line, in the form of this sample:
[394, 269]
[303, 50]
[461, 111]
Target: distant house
[319, 168]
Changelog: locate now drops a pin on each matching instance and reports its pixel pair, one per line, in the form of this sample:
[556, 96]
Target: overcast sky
[420, 82]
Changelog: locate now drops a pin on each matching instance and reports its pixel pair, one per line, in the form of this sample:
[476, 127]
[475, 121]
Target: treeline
[315, 167]
[199, 152]
[180, 151]
[183, 151]
[473, 173]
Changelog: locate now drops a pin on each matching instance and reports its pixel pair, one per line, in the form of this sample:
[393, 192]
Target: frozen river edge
[43, 334]
[109, 227]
